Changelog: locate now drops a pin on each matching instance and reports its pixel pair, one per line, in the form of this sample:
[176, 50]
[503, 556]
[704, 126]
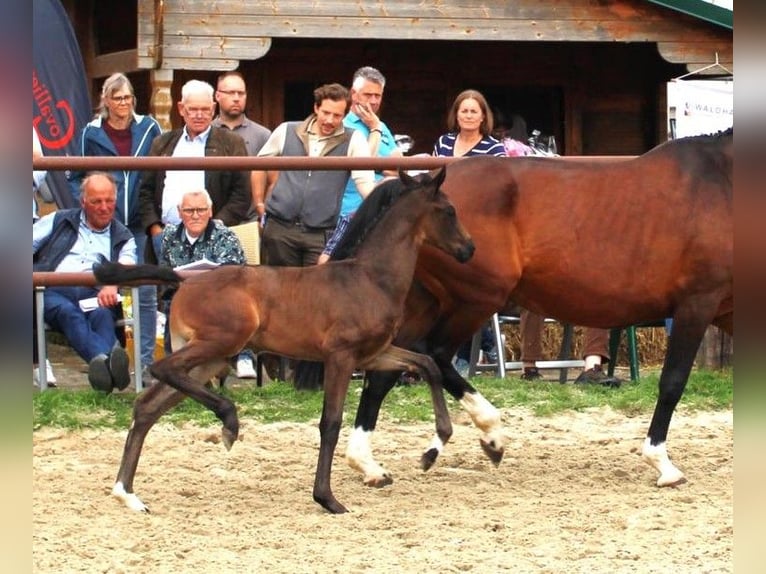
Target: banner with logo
[60, 99]
[698, 107]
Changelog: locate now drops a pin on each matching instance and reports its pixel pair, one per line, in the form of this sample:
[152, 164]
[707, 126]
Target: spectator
[38, 177]
[367, 87]
[470, 124]
[161, 191]
[73, 240]
[118, 131]
[197, 237]
[231, 95]
[595, 351]
[302, 206]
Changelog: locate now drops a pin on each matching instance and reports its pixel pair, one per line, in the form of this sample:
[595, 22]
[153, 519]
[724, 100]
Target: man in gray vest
[301, 206]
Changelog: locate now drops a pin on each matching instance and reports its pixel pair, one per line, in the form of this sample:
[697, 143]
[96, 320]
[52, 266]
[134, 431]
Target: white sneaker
[49, 376]
[245, 368]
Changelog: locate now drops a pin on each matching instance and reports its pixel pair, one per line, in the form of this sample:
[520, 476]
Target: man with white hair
[161, 191]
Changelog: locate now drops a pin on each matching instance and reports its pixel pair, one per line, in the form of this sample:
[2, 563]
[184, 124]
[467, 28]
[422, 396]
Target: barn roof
[702, 9]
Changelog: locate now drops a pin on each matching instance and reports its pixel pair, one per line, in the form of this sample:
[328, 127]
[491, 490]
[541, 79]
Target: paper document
[91, 303]
[199, 265]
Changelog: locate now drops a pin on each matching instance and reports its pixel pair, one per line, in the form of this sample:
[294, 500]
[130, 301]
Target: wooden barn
[590, 72]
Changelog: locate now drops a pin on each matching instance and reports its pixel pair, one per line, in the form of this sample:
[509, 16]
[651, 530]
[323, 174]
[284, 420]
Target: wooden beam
[107, 64]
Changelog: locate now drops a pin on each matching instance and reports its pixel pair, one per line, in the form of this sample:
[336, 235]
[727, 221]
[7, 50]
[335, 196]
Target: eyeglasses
[121, 99]
[233, 93]
[194, 210]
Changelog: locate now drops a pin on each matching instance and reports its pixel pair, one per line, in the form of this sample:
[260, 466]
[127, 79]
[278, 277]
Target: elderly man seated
[72, 240]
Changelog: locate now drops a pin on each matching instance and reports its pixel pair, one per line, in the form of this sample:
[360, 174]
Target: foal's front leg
[337, 375]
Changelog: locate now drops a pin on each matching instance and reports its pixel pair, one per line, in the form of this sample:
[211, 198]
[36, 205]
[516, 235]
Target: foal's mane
[370, 212]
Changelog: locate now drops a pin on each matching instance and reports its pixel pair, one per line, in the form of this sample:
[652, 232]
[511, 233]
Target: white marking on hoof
[657, 457]
[359, 457]
[436, 443]
[486, 418]
[128, 498]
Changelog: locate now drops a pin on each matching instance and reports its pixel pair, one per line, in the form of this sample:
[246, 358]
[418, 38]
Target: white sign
[697, 107]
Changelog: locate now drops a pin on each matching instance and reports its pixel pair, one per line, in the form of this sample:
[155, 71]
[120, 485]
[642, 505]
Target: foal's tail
[109, 273]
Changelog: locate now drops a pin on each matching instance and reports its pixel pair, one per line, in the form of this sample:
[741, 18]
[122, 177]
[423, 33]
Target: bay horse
[343, 314]
[598, 243]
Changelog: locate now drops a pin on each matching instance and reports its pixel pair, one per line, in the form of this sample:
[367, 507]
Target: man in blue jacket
[117, 130]
[72, 240]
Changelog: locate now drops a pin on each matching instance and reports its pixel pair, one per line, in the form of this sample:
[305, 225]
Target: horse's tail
[109, 273]
[309, 375]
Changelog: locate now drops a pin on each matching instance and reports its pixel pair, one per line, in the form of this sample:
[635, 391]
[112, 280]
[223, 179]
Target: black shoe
[119, 367]
[99, 376]
[531, 374]
[596, 376]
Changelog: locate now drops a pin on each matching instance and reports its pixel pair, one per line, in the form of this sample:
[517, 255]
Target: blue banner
[60, 97]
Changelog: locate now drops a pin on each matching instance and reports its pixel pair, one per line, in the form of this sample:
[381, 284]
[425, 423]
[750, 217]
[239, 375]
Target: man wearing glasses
[231, 95]
[195, 238]
[161, 191]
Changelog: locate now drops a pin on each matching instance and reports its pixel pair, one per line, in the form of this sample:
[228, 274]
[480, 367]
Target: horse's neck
[391, 249]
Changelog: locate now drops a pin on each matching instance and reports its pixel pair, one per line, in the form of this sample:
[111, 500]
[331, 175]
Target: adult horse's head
[441, 227]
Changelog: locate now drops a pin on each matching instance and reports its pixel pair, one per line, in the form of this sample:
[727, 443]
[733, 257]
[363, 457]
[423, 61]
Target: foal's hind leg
[188, 369]
[149, 406]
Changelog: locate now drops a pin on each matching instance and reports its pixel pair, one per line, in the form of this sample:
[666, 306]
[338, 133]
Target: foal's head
[441, 227]
[437, 222]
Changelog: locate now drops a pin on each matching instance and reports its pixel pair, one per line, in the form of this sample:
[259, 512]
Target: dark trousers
[89, 334]
[290, 245]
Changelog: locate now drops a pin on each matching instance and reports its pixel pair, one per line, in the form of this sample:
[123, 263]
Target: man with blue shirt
[367, 87]
[72, 240]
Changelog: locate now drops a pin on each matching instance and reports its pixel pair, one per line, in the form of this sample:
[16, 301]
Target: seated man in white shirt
[72, 240]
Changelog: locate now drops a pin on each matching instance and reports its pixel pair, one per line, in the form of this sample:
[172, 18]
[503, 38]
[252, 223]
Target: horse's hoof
[129, 499]
[379, 481]
[331, 505]
[494, 453]
[671, 483]
[228, 438]
[429, 458]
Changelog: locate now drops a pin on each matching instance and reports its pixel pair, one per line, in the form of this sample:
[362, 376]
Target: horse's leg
[685, 338]
[359, 455]
[189, 369]
[484, 414]
[337, 375]
[149, 406]
[402, 359]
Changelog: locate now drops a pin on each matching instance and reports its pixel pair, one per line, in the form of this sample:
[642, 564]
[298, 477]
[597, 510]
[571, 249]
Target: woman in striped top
[470, 125]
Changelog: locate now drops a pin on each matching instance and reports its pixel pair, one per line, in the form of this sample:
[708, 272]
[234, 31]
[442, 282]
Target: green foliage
[706, 390]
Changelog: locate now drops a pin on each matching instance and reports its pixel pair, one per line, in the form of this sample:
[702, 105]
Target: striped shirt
[445, 146]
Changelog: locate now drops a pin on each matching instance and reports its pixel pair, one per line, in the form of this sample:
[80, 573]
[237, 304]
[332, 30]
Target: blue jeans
[147, 310]
[89, 334]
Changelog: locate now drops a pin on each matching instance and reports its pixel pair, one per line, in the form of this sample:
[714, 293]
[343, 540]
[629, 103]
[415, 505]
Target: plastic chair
[630, 334]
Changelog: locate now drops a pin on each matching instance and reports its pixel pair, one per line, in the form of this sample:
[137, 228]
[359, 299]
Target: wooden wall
[590, 73]
[595, 98]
